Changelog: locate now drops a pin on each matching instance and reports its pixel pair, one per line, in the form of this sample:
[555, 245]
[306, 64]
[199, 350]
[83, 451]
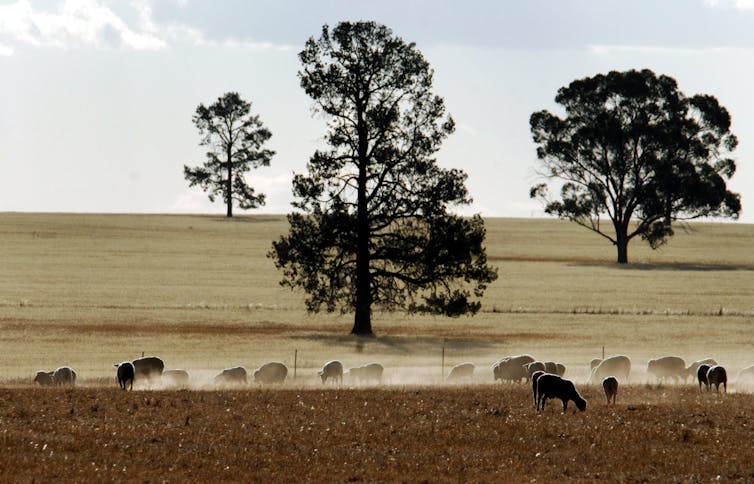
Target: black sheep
[534, 378]
[125, 375]
[701, 375]
[552, 386]
[717, 375]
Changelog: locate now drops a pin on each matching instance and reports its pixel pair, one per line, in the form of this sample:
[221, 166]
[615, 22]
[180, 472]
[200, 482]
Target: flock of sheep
[546, 377]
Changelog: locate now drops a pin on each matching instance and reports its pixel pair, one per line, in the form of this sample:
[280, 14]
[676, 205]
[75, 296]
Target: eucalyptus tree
[633, 149]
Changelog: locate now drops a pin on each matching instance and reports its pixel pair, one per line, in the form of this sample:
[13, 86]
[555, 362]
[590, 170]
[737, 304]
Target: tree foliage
[373, 227]
[636, 150]
[234, 138]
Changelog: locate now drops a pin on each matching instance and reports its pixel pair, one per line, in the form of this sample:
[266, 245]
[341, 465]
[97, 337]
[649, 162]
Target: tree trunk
[229, 184]
[362, 324]
[622, 245]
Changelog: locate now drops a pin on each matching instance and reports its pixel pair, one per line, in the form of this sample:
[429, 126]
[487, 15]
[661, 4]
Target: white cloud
[75, 22]
[609, 49]
[5, 51]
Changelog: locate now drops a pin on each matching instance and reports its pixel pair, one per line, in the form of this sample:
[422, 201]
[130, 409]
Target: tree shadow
[642, 266]
[402, 344]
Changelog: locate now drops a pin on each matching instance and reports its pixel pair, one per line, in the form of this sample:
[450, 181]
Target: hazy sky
[96, 96]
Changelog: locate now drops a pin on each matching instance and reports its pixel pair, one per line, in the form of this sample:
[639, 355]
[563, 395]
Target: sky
[96, 96]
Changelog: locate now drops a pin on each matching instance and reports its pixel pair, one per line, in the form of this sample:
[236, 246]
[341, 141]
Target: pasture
[90, 290]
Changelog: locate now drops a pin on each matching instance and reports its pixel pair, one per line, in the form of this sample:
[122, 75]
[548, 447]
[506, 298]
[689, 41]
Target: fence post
[295, 363]
[443, 359]
[603, 352]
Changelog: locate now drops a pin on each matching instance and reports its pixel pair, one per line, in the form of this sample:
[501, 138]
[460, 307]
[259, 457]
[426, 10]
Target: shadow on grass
[248, 218]
[640, 266]
[401, 344]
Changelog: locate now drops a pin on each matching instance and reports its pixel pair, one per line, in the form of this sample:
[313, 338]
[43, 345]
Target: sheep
[552, 386]
[594, 363]
[175, 377]
[149, 367]
[610, 386]
[64, 376]
[617, 366]
[668, 367]
[746, 375]
[125, 375]
[463, 370]
[273, 372]
[367, 373]
[231, 376]
[332, 369]
[45, 378]
[701, 375]
[534, 367]
[534, 378]
[511, 368]
[717, 375]
[691, 370]
[555, 368]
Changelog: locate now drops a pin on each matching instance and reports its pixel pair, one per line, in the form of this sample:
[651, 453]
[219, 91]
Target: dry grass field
[91, 290]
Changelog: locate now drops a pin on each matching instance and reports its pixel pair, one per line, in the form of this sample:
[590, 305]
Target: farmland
[90, 290]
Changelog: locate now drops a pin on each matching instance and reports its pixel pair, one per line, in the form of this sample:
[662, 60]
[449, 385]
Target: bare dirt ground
[452, 433]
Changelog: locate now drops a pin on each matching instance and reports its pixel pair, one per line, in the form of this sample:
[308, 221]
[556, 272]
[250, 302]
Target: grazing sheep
[511, 368]
[610, 386]
[272, 372]
[125, 375]
[367, 373]
[701, 375]
[691, 370]
[64, 376]
[668, 367]
[554, 368]
[594, 363]
[231, 376]
[717, 375]
[149, 367]
[617, 366]
[534, 367]
[175, 377]
[45, 378]
[332, 369]
[534, 379]
[552, 386]
[463, 370]
[746, 375]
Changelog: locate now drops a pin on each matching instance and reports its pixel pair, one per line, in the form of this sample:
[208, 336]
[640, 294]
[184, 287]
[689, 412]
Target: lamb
[691, 370]
[552, 386]
[231, 376]
[64, 376]
[701, 375]
[617, 366]
[332, 369]
[717, 375]
[367, 373]
[534, 379]
[463, 370]
[175, 377]
[668, 367]
[511, 368]
[610, 386]
[125, 375]
[45, 378]
[273, 372]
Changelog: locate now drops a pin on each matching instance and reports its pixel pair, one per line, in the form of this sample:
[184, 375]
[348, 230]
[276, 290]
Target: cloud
[5, 51]
[75, 22]
[608, 49]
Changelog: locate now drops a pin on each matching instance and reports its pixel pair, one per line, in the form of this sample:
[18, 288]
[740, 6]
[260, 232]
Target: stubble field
[91, 290]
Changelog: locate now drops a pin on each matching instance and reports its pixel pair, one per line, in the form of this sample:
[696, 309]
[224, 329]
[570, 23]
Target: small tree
[636, 150]
[234, 138]
[373, 227]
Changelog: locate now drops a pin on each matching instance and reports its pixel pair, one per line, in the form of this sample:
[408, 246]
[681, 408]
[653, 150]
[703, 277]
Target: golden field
[92, 290]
